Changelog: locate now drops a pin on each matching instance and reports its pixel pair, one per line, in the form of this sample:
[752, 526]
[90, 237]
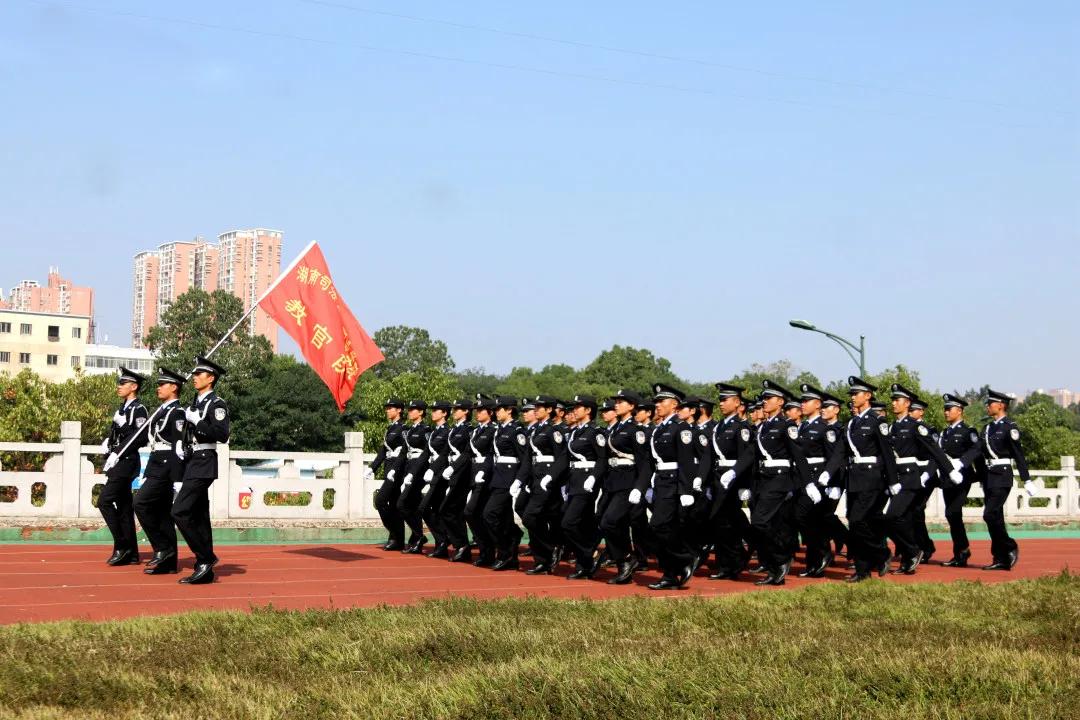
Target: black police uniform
[115, 500]
[191, 509]
[521, 499]
[452, 510]
[732, 449]
[641, 535]
[1001, 451]
[391, 459]
[483, 461]
[587, 449]
[433, 491]
[834, 528]
[910, 438]
[673, 455]
[510, 465]
[408, 502]
[961, 443]
[809, 516]
[543, 513]
[627, 454]
[153, 502]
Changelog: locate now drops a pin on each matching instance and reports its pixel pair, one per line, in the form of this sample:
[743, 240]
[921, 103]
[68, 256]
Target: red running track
[48, 582]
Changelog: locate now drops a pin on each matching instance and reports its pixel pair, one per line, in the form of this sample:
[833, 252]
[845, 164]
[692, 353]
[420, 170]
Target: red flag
[305, 302]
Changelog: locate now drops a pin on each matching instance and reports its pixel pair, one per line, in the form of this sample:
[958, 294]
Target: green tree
[410, 350]
[477, 380]
[627, 367]
[1047, 431]
[366, 408]
[780, 371]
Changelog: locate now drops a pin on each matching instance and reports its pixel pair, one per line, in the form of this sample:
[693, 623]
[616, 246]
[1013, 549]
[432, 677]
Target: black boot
[626, 572]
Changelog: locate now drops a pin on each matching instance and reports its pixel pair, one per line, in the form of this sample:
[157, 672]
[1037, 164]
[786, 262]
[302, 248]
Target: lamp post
[842, 342]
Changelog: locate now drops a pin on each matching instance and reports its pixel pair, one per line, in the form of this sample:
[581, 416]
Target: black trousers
[731, 528]
[898, 522]
[918, 522]
[543, 520]
[452, 515]
[615, 524]
[408, 506]
[994, 517]
[833, 527]
[674, 554]
[521, 502]
[866, 536]
[810, 519]
[431, 499]
[580, 529]
[955, 498]
[386, 498]
[498, 516]
[474, 518]
[115, 504]
[153, 506]
[770, 526]
[191, 512]
[640, 533]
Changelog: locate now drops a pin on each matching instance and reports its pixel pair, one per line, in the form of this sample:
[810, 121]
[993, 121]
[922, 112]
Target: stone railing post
[1070, 487]
[360, 490]
[70, 477]
[219, 491]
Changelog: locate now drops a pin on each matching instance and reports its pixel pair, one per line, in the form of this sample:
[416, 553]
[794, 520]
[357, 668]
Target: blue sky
[684, 178]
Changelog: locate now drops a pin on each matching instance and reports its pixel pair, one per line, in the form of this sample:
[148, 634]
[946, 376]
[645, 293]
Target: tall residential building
[244, 263]
[59, 296]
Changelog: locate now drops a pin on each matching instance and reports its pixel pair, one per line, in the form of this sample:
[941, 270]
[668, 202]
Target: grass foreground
[876, 650]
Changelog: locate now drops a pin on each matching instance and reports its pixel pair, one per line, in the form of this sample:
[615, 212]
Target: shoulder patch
[601, 440]
[639, 436]
[686, 436]
[179, 425]
[830, 435]
[521, 438]
[1015, 433]
[793, 432]
[974, 436]
[703, 440]
[923, 431]
[557, 437]
[745, 434]
[140, 421]
[883, 428]
[219, 414]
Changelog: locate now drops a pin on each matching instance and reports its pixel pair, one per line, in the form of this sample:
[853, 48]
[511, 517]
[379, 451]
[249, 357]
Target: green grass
[877, 650]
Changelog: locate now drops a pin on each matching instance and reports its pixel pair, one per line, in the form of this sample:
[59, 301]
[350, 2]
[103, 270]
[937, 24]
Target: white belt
[583, 464]
[1001, 461]
[413, 454]
[775, 463]
[543, 458]
[923, 463]
[725, 463]
[506, 461]
[667, 466]
[620, 462]
[906, 460]
[815, 460]
[161, 446]
[865, 459]
[479, 458]
[204, 446]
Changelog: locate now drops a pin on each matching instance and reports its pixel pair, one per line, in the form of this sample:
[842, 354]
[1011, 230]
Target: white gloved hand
[824, 478]
[635, 497]
[120, 419]
[727, 478]
[369, 474]
[686, 500]
[104, 446]
[565, 493]
[590, 483]
[424, 490]
[110, 462]
[649, 496]
[956, 476]
[834, 493]
[390, 475]
[708, 493]
[479, 479]
[448, 473]
[192, 416]
[1034, 487]
[957, 465]
[544, 482]
[179, 450]
[813, 493]
[429, 475]
[515, 489]
[895, 488]
[924, 478]
[407, 480]
[744, 494]
[697, 484]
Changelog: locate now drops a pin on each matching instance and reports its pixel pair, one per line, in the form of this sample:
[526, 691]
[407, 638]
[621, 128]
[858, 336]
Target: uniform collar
[203, 395]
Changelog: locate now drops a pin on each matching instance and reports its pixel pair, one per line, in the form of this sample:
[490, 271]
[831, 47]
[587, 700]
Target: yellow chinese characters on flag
[305, 302]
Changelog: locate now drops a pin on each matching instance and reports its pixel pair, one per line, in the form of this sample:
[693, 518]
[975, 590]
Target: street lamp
[842, 342]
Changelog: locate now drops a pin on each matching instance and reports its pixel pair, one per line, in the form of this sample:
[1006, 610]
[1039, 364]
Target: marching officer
[391, 458]
[481, 444]
[530, 421]
[509, 472]
[207, 425]
[870, 469]
[731, 441]
[961, 443]
[416, 459]
[918, 508]
[835, 529]
[814, 438]
[627, 455]
[543, 513]
[640, 532]
[122, 466]
[1001, 448]
[457, 477]
[164, 469]
[433, 492]
[587, 449]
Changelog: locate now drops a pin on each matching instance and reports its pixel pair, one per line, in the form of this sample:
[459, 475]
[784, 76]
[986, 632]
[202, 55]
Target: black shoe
[685, 575]
[724, 575]
[604, 560]
[908, 566]
[773, 578]
[926, 555]
[1006, 563]
[166, 566]
[462, 554]
[203, 575]
[857, 577]
[581, 573]
[758, 569]
[958, 560]
[441, 552]
[510, 563]
[626, 572]
[415, 547]
[665, 583]
[162, 557]
[540, 568]
[394, 545]
[155, 559]
[484, 561]
[883, 568]
[1013, 557]
[123, 557]
[556, 556]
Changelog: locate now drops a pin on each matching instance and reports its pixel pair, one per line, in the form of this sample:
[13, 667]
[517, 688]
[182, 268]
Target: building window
[76, 332]
[24, 328]
[75, 362]
[52, 359]
[54, 333]
[5, 327]
[24, 358]
[5, 356]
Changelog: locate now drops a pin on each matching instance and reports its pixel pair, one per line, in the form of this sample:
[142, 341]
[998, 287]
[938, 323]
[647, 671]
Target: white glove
[895, 489]
[708, 493]
[110, 462]
[105, 446]
[565, 493]
[424, 490]
[544, 482]
[448, 473]
[924, 478]
[956, 476]
[834, 493]
[590, 483]
[368, 473]
[429, 474]
[390, 475]
[744, 494]
[1034, 487]
[120, 419]
[686, 500]
[649, 496]
[179, 450]
[697, 484]
[192, 416]
[727, 478]
[407, 480]
[813, 493]
[824, 478]
[957, 465]
[635, 497]
[515, 489]
[479, 479]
